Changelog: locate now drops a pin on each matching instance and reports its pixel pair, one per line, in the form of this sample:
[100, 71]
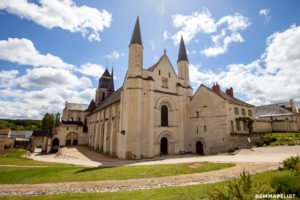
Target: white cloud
[152, 44]
[221, 47]
[23, 52]
[33, 104]
[91, 69]
[64, 14]
[191, 25]
[264, 12]
[166, 35]
[7, 77]
[47, 77]
[114, 55]
[270, 79]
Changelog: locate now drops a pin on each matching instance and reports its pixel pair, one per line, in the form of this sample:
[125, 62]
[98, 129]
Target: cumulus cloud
[34, 104]
[64, 14]
[91, 69]
[269, 79]
[47, 77]
[23, 52]
[225, 30]
[7, 77]
[264, 12]
[166, 35]
[114, 55]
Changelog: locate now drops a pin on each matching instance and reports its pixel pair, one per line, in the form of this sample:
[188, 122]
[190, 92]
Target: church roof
[182, 52]
[106, 73]
[76, 106]
[136, 35]
[271, 110]
[114, 97]
[226, 96]
[92, 106]
[111, 81]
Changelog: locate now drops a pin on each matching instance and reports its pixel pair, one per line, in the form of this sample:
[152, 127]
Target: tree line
[48, 122]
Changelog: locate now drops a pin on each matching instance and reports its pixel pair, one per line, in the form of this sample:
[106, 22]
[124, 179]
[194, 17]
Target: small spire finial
[165, 51]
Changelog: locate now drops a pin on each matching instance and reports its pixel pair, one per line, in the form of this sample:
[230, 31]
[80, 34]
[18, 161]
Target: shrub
[242, 188]
[286, 185]
[291, 162]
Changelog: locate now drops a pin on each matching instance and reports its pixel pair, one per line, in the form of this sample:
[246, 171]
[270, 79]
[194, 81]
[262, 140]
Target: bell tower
[135, 60]
[183, 63]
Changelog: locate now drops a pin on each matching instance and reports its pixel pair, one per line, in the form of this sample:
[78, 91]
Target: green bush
[286, 185]
[242, 188]
[290, 163]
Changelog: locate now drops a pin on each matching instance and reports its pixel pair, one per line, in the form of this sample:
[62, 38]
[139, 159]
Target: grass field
[17, 159]
[187, 192]
[65, 173]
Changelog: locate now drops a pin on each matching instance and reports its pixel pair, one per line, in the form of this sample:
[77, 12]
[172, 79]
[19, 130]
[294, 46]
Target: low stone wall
[262, 126]
[241, 141]
[6, 142]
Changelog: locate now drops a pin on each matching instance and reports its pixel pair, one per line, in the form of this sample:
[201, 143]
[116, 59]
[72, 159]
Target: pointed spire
[136, 35]
[182, 52]
[111, 81]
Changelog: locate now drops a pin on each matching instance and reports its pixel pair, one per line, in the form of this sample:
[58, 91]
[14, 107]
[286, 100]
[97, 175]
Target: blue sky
[55, 50]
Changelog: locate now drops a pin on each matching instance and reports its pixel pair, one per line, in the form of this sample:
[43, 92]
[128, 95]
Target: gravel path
[88, 157]
[133, 184]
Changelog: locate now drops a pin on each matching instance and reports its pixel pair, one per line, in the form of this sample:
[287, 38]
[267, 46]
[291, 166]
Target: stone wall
[262, 126]
[6, 142]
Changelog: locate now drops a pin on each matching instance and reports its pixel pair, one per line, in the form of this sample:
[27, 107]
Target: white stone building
[155, 112]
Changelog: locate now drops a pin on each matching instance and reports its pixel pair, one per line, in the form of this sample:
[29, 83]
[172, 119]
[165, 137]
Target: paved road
[84, 156]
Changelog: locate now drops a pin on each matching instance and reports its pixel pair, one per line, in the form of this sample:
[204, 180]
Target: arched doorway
[55, 144]
[164, 146]
[75, 142]
[199, 148]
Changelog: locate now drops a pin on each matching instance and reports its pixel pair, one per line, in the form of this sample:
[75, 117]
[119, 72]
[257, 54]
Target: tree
[57, 119]
[48, 122]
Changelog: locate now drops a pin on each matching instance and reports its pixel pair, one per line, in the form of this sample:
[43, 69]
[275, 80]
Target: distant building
[5, 141]
[279, 117]
[155, 112]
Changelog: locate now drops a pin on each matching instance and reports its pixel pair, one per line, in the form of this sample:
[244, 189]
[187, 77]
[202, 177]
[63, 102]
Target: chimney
[216, 87]
[229, 91]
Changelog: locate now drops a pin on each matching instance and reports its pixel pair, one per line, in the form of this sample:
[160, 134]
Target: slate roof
[4, 132]
[227, 97]
[182, 52]
[40, 133]
[114, 97]
[92, 106]
[136, 35]
[76, 106]
[20, 134]
[271, 110]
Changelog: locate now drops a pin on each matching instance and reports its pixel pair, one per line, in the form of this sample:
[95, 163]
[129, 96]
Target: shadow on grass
[91, 169]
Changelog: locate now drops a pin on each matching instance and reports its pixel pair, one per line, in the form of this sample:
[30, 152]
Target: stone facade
[155, 112]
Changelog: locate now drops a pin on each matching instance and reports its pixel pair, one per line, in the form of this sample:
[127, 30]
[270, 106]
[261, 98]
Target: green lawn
[17, 159]
[65, 174]
[56, 172]
[187, 192]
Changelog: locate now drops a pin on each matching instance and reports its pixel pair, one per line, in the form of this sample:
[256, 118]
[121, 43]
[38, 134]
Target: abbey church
[155, 112]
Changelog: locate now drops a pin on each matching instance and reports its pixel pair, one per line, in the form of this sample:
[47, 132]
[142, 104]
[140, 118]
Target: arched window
[164, 115]
[103, 96]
